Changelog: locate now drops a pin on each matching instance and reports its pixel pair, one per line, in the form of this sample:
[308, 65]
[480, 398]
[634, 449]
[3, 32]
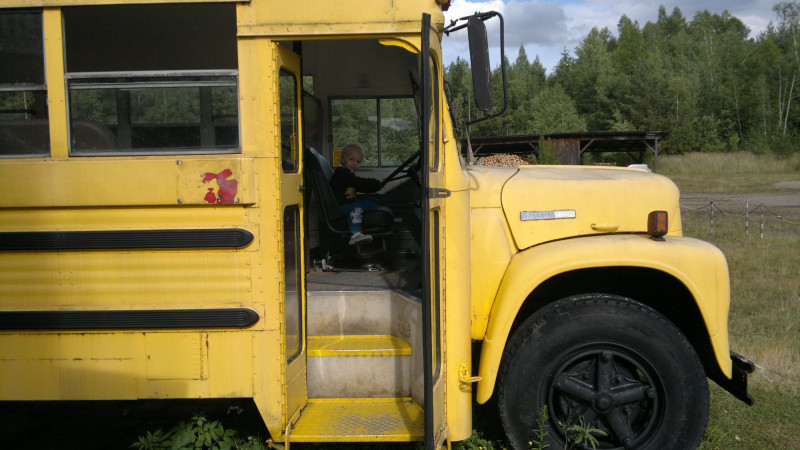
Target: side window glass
[152, 113]
[355, 120]
[289, 109]
[152, 79]
[436, 304]
[434, 123]
[398, 131]
[24, 124]
[387, 128]
[293, 307]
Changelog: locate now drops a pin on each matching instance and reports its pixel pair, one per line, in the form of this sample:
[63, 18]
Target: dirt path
[785, 202]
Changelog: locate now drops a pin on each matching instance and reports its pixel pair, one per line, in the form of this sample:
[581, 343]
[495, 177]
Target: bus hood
[546, 203]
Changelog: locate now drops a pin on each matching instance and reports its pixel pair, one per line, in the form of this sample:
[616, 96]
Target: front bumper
[737, 384]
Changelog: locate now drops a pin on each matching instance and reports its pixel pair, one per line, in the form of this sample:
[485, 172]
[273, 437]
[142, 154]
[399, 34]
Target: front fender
[700, 266]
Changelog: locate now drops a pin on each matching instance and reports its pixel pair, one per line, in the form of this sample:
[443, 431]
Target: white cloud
[456, 43]
[535, 25]
[547, 28]
[540, 23]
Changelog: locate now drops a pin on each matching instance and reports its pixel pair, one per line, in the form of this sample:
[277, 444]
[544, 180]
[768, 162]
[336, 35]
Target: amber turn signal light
[657, 224]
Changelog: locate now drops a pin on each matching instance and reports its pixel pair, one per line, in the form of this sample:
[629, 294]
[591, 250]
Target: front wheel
[606, 365]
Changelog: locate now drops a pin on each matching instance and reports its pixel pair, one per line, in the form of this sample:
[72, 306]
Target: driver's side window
[387, 128]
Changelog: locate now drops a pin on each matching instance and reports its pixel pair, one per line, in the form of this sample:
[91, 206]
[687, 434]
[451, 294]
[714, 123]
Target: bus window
[176, 112]
[24, 125]
[386, 127]
[289, 126]
[293, 309]
[149, 79]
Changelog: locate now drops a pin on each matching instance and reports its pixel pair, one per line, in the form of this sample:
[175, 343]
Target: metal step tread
[359, 420]
[357, 345]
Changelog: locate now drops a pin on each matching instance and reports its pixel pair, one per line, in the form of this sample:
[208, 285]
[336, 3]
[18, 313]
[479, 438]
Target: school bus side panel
[260, 137]
[148, 361]
[132, 194]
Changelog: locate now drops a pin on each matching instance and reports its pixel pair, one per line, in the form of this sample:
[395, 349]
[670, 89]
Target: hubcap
[602, 403]
[612, 389]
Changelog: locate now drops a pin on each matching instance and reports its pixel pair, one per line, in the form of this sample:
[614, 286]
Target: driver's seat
[317, 174]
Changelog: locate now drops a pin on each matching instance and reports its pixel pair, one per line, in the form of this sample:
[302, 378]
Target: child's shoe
[360, 238]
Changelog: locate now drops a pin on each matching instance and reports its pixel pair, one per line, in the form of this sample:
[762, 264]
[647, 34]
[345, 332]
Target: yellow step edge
[359, 420]
[371, 400]
[358, 345]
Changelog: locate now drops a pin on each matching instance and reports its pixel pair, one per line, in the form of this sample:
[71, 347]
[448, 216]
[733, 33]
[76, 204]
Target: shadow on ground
[87, 425]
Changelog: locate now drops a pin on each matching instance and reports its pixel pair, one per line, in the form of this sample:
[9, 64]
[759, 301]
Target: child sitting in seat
[346, 184]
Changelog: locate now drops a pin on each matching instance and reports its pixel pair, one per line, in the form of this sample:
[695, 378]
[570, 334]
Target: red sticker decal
[227, 188]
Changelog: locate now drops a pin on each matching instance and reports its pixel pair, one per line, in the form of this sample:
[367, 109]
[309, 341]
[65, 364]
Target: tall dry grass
[728, 172]
[764, 322]
[764, 326]
[726, 163]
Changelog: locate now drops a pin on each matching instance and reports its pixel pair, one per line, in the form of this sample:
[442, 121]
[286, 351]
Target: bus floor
[335, 280]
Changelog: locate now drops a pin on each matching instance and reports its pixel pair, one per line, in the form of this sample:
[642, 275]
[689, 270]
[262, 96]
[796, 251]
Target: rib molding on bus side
[128, 319]
[125, 239]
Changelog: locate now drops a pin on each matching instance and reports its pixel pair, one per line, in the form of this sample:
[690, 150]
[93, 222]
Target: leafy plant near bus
[197, 433]
[539, 441]
[582, 433]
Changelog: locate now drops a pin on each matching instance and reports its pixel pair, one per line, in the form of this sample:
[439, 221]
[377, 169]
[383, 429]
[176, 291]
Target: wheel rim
[608, 388]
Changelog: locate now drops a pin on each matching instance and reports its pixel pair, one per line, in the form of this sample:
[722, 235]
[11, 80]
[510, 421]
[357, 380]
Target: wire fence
[761, 212]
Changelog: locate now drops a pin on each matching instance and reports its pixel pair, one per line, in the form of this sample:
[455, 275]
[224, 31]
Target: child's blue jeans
[355, 212]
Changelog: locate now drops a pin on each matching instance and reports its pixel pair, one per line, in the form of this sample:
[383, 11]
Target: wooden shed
[572, 146]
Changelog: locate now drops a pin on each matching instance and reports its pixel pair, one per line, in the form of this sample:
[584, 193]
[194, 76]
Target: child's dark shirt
[343, 179]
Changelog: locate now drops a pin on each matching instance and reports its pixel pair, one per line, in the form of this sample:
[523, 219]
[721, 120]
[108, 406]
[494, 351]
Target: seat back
[318, 174]
[379, 222]
[324, 165]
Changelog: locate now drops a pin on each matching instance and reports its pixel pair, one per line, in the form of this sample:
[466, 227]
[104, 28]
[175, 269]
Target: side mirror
[479, 60]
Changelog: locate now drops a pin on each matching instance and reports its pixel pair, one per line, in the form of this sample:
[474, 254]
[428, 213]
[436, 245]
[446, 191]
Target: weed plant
[197, 433]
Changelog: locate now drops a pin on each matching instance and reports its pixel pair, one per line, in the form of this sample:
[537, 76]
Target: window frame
[74, 82]
[377, 98]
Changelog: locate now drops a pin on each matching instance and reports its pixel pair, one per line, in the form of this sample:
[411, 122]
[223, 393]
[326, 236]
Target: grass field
[764, 326]
[764, 321]
[728, 173]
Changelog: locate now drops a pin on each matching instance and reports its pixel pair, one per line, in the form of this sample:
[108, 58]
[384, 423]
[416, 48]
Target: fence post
[747, 219]
[712, 218]
[762, 221]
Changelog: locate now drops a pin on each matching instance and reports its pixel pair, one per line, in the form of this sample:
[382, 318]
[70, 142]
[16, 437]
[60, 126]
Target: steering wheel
[408, 169]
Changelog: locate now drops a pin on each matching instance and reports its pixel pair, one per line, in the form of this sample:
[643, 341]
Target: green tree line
[708, 83]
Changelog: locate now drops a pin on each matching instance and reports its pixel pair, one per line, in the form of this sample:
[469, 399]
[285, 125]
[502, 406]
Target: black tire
[614, 362]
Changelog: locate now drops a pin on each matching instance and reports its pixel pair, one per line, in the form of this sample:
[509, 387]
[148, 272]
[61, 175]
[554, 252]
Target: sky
[547, 28]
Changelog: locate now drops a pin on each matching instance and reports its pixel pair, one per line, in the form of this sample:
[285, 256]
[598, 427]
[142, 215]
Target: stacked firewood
[505, 160]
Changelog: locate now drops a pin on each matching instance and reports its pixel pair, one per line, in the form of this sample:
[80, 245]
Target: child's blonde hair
[352, 147]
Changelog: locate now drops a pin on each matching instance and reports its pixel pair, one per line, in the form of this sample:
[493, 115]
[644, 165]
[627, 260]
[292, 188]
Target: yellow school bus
[167, 231]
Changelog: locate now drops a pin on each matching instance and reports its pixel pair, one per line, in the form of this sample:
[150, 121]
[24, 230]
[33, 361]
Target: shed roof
[634, 143]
